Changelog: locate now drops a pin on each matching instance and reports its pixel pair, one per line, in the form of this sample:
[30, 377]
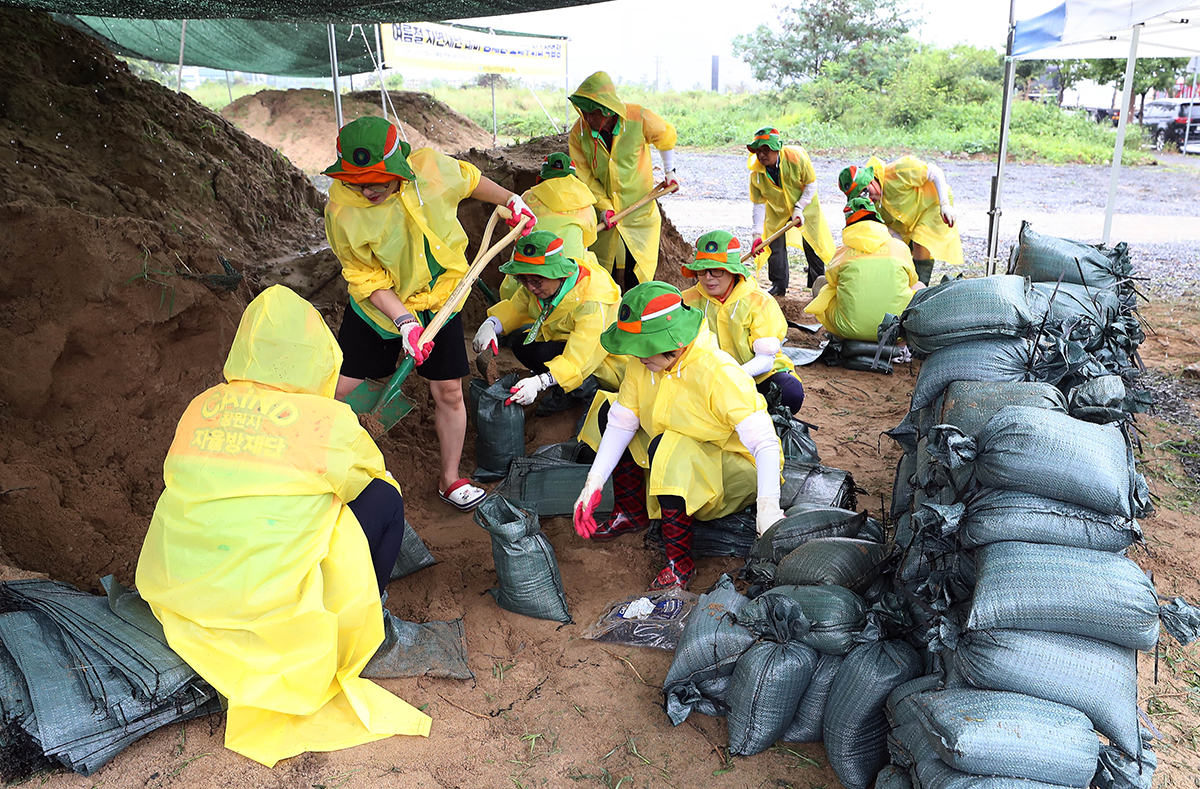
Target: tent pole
[333, 69]
[379, 68]
[494, 78]
[994, 209]
[567, 86]
[182, 38]
[1187, 129]
[229, 86]
[1114, 176]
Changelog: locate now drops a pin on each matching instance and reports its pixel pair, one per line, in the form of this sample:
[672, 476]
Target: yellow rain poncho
[620, 178]
[385, 246]
[587, 310]
[747, 314]
[696, 409]
[872, 274]
[565, 207]
[257, 569]
[795, 171]
[909, 206]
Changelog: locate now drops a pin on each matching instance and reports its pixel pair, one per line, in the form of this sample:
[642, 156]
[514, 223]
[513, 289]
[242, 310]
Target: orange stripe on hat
[553, 248]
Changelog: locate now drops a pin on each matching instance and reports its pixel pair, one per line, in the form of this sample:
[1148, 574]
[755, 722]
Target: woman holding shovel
[392, 222]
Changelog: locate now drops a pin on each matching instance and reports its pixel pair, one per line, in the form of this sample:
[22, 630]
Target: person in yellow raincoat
[916, 204]
[610, 145]
[392, 221]
[783, 187]
[563, 206]
[702, 443]
[870, 276]
[276, 500]
[748, 323]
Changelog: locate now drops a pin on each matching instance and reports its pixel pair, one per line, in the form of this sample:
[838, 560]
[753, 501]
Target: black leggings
[535, 355]
[777, 265]
[380, 512]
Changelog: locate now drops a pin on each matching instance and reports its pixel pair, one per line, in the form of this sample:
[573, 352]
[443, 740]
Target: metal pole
[182, 38]
[994, 209]
[1110, 205]
[493, 81]
[1187, 129]
[333, 69]
[229, 86]
[716, 73]
[567, 86]
[379, 66]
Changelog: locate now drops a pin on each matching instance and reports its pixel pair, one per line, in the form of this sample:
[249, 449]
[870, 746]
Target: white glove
[947, 214]
[487, 335]
[798, 216]
[410, 336]
[763, 360]
[768, 514]
[527, 389]
[520, 211]
[668, 163]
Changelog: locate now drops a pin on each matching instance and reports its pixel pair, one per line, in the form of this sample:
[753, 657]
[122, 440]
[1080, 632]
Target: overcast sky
[623, 37]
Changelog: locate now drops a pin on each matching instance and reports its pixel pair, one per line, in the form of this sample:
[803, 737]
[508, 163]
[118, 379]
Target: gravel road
[1157, 207]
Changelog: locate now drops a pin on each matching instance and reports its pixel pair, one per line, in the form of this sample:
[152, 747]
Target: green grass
[215, 95]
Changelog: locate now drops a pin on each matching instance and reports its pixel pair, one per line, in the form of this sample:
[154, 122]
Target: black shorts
[365, 354]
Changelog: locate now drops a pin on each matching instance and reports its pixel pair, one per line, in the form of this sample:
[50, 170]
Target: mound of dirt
[302, 125]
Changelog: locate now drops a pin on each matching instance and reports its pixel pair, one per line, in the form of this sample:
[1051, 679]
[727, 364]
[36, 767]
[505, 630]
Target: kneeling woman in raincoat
[569, 303]
[687, 438]
[748, 323]
[871, 275]
[276, 501]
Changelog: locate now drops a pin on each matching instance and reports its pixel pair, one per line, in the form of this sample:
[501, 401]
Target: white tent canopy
[1094, 29]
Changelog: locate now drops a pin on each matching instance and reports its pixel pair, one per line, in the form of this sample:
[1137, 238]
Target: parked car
[1170, 120]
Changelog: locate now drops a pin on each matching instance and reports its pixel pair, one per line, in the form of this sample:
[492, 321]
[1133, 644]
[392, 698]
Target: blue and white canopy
[1102, 29]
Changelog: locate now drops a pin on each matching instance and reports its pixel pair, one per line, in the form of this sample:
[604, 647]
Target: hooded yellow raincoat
[384, 246]
[586, 311]
[795, 172]
[621, 177]
[696, 408]
[909, 206]
[565, 207]
[257, 569]
[872, 274]
[747, 314]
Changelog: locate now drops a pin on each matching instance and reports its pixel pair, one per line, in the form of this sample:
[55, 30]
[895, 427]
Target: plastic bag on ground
[499, 428]
[808, 724]
[987, 732]
[409, 649]
[527, 570]
[855, 724]
[413, 554]
[962, 310]
[806, 483]
[836, 561]
[768, 682]
[830, 617]
[654, 620]
[998, 515]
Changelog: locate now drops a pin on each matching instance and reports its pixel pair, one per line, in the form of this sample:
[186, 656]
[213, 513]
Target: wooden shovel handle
[655, 193]
[794, 223]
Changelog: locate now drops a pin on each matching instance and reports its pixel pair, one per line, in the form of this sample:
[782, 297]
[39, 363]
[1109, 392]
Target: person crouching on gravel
[916, 204]
[783, 188]
[748, 323]
[569, 303]
[870, 276]
[392, 222]
[258, 560]
[687, 437]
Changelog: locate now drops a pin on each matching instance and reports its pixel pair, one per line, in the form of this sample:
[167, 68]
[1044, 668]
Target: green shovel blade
[383, 402]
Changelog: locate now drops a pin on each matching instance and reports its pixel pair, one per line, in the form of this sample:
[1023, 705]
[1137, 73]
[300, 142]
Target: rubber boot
[924, 270]
[629, 511]
[677, 540]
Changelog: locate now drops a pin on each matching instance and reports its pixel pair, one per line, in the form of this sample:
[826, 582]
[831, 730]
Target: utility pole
[716, 73]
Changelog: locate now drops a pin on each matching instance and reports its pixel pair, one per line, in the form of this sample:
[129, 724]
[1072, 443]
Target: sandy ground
[105, 340]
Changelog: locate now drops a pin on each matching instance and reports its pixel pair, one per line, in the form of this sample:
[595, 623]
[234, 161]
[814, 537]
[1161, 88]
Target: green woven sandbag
[409, 649]
[963, 310]
[1044, 258]
[835, 561]
[998, 515]
[768, 683]
[827, 618]
[812, 483]
[499, 428]
[526, 567]
[413, 554]
[808, 724]
[805, 522]
[1001, 359]
[907, 745]
[892, 777]
[936, 774]
[969, 405]
[550, 485]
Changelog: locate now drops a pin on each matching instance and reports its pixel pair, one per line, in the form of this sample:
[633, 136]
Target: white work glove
[763, 359]
[768, 514]
[798, 216]
[527, 389]
[520, 211]
[586, 504]
[486, 336]
[668, 162]
[947, 214]
[410, 336]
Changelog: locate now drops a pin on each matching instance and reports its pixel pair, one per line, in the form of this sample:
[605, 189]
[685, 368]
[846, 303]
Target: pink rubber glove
[585, 508]
[520, 211]
[410, 335]
[757, 246]
[608, 223]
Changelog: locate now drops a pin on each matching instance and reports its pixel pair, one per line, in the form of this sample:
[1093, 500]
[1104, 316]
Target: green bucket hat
[766, 136]
[859, 208]
[369, 149]
[652, 319]
[540, 253]
[716, 249]
[557, 165]
[584, 104]
[854, 179]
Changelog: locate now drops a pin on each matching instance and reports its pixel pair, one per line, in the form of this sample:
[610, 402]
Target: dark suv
[1173, 121]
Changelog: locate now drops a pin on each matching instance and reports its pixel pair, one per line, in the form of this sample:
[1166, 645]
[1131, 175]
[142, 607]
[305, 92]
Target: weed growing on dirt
[147, 274]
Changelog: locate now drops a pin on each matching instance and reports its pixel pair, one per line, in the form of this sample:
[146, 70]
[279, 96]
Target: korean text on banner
[455, 48]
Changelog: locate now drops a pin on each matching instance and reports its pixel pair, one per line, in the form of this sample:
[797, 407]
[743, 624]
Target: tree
[808, 35]
[1148, 74]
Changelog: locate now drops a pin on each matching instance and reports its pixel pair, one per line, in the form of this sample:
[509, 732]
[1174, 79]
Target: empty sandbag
[1095, 677]
[962, 310]
[855, 724]
[833, 616]
[936, 774]
[988, 732]
[768, 682]
[809, 483]
[549, 484]
[526, 567]
[1044, 258]
[864, 355]
[499, 428]
[997, 515]
[1101, 595]
[711, 643]
[411, 649]
[808, 724]
[413, 554]
[969, 405]
[1115, 770]
[835, 561]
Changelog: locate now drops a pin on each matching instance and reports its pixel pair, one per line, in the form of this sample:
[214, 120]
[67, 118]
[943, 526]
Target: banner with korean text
[461, 48]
